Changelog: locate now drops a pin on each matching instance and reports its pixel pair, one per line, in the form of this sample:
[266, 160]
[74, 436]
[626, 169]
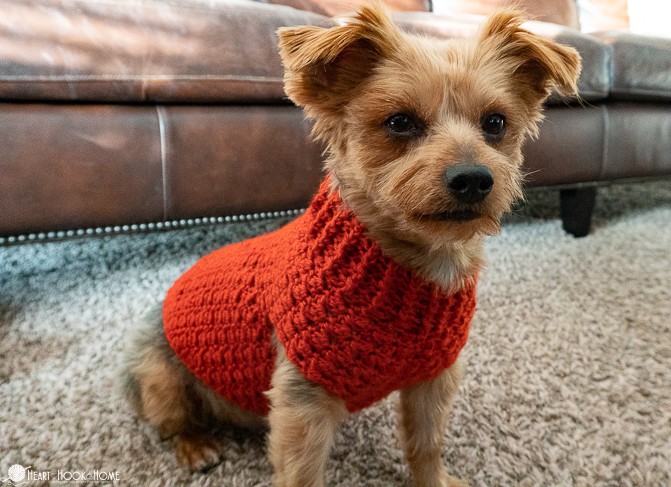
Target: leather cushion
[76, 166]
[569, 148]
[641, 66]
[143, 52]
[638, 141]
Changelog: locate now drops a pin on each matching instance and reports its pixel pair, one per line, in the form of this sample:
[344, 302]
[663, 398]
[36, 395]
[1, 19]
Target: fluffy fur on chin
[424, 142]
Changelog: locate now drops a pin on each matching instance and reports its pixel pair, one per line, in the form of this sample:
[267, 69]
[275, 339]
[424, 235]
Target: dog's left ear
[536, 62]
[322, 66]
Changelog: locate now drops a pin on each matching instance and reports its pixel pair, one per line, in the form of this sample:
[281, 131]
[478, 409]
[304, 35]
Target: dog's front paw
[197, 452]
[454, 482]
[439, 479]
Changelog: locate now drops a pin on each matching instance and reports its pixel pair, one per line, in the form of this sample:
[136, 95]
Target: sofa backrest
[337, 7]
[564, 12]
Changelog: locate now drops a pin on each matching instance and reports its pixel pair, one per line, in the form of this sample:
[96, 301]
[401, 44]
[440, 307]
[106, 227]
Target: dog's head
[424, 135]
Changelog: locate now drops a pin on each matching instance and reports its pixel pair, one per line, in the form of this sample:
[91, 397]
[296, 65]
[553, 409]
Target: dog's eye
[494, 125]
[404, 125]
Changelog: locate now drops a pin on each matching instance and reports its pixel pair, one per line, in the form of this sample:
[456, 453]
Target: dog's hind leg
[172, 399]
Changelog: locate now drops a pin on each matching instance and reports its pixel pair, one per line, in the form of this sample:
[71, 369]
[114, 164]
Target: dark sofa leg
[576, 210]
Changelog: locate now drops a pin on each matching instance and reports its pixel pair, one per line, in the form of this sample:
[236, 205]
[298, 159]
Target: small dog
[372, 289]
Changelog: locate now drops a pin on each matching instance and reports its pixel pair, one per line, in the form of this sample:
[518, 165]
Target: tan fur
[162, 394]
[169, 397]
[197, 451]
[424, 412]
[351, 79]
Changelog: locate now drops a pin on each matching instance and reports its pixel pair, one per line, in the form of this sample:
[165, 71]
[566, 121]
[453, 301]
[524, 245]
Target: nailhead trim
[146, 227]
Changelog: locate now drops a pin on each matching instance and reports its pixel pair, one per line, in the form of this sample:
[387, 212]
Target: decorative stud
[151, 226]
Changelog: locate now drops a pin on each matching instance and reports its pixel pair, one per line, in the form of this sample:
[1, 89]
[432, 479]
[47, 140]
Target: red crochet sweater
[349, 317]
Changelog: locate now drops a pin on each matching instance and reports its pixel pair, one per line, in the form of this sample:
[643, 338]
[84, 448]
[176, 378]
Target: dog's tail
[144, 339]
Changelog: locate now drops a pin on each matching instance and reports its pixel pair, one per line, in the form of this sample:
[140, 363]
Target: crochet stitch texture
[349, 317]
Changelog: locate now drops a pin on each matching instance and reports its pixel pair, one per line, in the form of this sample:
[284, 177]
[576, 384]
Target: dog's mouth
[450, 216]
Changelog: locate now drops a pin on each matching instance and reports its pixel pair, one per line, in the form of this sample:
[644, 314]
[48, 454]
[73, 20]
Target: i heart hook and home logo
[16, 475]
[19, 475]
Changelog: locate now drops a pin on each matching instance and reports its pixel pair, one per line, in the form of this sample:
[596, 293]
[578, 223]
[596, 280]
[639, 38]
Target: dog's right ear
[322, 66]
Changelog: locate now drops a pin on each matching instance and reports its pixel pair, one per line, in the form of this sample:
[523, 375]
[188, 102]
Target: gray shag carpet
[568, 368]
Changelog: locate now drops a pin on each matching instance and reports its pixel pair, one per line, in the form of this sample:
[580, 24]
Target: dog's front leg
[424, 411]
[303, 421]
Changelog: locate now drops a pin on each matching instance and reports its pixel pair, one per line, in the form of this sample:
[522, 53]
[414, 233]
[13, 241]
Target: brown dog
[424, 144]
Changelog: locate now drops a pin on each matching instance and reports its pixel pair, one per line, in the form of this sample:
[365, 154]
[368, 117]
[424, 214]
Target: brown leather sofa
[125, 115]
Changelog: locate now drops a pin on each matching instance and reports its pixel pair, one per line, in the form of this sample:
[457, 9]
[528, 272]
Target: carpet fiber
[568, 368]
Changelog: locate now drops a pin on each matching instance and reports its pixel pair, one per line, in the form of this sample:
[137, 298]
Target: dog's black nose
[469, 183]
